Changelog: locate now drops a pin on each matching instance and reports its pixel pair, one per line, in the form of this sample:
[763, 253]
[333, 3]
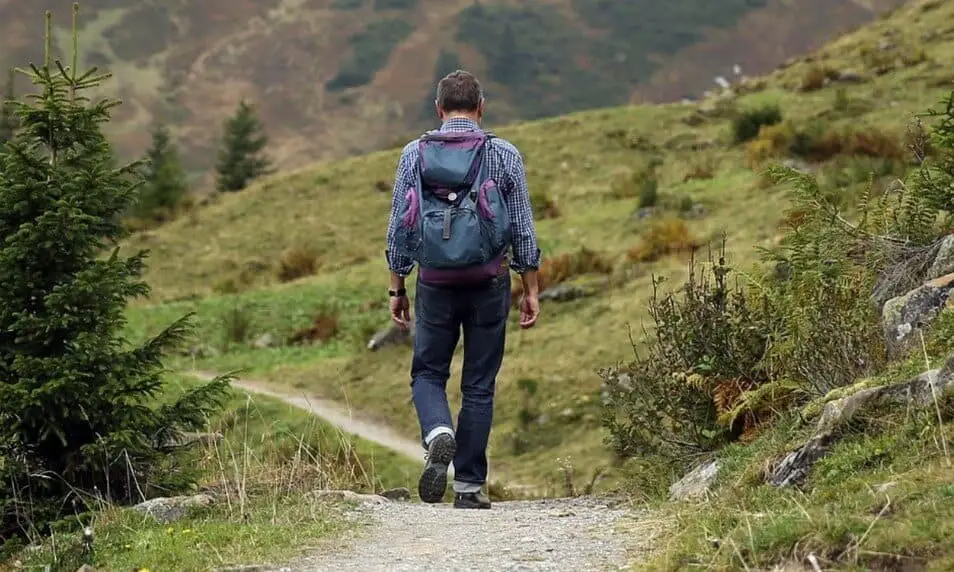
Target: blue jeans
[441, 313]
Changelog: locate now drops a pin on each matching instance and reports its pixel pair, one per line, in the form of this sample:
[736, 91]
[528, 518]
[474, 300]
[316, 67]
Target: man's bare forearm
[530, 285]
[397, 281]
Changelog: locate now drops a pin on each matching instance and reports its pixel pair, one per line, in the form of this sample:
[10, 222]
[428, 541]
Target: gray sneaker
[433, 482]
[471, 500]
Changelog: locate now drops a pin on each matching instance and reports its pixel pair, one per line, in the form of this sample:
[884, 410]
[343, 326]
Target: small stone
[398, 494]
[644, 213]
[348, 496]
[696, 211]
[391, 336]
[264, 341]
[850, 76]
[564, 293]
[696, 483]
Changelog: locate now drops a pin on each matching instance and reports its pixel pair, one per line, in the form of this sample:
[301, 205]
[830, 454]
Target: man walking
[460, 205]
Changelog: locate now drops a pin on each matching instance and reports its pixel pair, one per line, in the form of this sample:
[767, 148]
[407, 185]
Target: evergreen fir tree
[8, 122]
[241, 158]
[77, 410]
[165, 182]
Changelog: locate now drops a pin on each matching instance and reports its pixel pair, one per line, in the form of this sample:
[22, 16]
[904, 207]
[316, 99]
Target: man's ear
[437, 108]
[480, 109]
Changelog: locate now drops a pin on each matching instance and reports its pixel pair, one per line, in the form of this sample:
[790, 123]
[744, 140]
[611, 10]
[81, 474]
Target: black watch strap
[397, 293]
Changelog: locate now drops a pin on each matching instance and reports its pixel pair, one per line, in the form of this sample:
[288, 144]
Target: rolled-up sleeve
[526, 252]
[400, 265]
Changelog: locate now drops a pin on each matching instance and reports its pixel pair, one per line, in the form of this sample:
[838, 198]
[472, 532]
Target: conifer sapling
[241, 158]
[76, 399]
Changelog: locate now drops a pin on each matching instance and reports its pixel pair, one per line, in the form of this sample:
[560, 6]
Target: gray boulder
[564, 293]
[944, 259]
[696, 483]
[170, 509]
[391, 336]
[904, 316]
[918, 393]
[264, 341]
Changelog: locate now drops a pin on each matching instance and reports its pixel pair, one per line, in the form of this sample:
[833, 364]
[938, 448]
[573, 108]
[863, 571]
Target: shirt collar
[460, 124]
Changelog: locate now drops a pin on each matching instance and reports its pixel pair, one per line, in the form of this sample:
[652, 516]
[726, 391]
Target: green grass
[271, 455]
[276, 529]
[339, 210]
[882, 498]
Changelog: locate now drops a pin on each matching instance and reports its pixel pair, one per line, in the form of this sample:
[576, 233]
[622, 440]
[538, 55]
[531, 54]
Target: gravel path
[553, 534]
[330, 411]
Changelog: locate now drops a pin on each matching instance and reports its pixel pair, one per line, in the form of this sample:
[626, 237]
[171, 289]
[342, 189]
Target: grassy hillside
[589, 170]
[342, 77]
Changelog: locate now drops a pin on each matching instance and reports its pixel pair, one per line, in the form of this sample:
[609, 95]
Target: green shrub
[727, 359]
[662, 237]
[641, 184]
[709, 341]
[297, 262]
[747, 124]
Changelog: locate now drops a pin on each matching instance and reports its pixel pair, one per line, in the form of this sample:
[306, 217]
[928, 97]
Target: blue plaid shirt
[506, 168]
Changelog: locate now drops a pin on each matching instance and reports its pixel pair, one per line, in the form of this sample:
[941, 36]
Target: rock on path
[555, 534]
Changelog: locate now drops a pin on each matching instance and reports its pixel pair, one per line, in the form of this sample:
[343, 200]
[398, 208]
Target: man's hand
[400, 305]
[529, 304]
[529, 311]
[401, 311]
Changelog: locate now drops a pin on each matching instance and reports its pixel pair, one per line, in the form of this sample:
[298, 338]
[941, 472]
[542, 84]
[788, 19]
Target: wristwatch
[397, 293]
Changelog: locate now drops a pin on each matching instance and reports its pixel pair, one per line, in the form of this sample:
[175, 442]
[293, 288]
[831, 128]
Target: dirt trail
[554, 534]
[332, 412]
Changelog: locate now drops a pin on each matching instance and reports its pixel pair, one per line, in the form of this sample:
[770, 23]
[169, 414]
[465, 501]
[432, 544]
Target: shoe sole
[433, 483]
[471, 506]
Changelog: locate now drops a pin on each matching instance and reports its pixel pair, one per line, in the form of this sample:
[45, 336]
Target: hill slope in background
[340, 77]
[586, 170]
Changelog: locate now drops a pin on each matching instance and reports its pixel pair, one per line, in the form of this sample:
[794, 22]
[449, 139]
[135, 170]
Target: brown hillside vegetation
[342, 77]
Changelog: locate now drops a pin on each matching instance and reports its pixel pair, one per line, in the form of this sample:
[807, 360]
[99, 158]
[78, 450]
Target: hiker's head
[459, 95]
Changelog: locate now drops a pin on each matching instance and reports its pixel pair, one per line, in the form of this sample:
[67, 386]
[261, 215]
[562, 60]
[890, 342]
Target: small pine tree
[241, 159]
[165, 182]
[8, 121]
[76, 401]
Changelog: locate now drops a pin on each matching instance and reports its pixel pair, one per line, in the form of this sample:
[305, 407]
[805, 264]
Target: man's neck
[468, 116]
